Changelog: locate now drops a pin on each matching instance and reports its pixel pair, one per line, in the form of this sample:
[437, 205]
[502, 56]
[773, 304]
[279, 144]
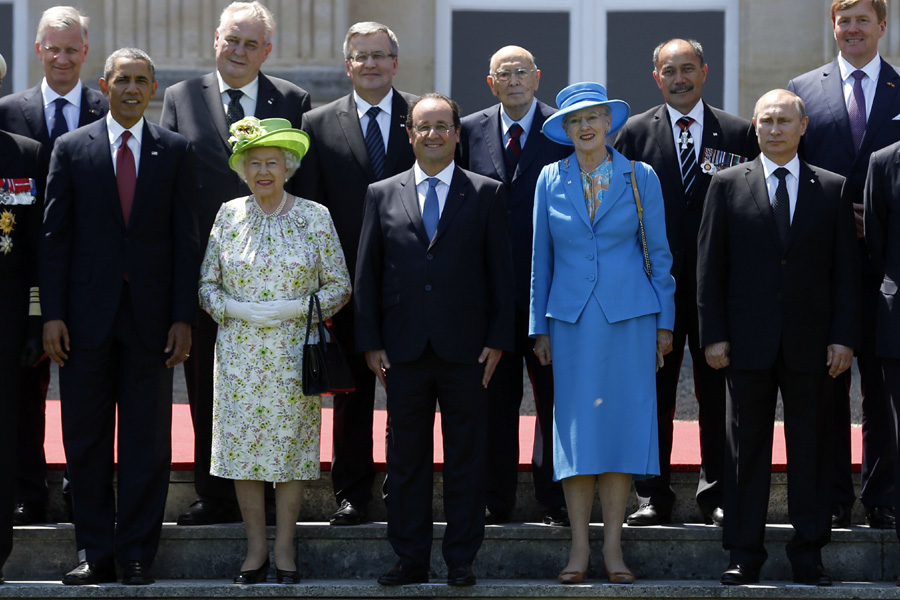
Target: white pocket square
[896, 118]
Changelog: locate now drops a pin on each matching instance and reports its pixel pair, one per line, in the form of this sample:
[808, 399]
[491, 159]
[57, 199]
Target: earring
[607, 130]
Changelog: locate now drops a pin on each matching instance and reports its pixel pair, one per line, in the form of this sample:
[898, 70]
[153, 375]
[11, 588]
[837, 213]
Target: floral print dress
[264, 428]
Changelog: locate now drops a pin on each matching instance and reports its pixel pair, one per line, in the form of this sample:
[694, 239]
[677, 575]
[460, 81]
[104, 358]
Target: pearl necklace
[278, 210]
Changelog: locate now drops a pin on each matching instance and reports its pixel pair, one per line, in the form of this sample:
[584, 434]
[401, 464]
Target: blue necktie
[59, 120]
[430, 213]
[374, 142]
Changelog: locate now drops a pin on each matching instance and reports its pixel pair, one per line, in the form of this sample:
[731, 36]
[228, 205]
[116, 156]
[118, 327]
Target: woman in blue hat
[602, 309]
[266, 254]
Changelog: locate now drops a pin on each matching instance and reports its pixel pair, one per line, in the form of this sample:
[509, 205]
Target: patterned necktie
[781, 207]
[126, 176]
[513, 148]
[235, 111]
[374, 142]
[856, 109]
[687, 158]
[430, 212]
[59, 120]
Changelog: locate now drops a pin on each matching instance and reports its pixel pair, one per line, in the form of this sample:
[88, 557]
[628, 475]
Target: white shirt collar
[525, 122]
[115, 129]
[696, 114]
[872, 69]
[793, 166]
[251, 90]
[385, 104]
[445, 176]
[49, 95]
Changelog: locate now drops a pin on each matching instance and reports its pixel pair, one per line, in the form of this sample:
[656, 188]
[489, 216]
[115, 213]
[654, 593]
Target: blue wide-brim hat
[583, 95]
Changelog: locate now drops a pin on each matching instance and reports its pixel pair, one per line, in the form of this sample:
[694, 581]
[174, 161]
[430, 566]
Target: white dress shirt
[248, 100]
[383, 119]
[115, 131]
[71, 111]
[441, 189]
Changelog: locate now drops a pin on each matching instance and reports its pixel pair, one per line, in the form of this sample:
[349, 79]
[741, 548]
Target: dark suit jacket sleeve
[187, 244]
[500, 275]
[875, 198]
[369, 275]
[56, 235]
[712, 265]
[169, 117]
[845, 329]
[309, 175]
[34, 217]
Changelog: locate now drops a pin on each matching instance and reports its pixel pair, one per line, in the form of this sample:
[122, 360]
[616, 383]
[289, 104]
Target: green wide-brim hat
[251, 132]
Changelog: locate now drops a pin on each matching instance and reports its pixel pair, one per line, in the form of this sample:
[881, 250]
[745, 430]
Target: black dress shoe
[556, 517]
[405, 573]
[254, 576]
[461, 576]
[715, 517]
[840, 516]
[495, 517]
[348, 514]
[817, 577]
[136, 573]
[740, 575]
[286, 577]
[1, 577]
[29, 513]
[648, 514]
[91, 573]
[880, 517]
[204, 512]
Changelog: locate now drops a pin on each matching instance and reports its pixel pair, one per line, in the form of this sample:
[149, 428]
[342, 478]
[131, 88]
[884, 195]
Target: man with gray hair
[354, 141]
[59, 103]
[120, 292]
[202, 109]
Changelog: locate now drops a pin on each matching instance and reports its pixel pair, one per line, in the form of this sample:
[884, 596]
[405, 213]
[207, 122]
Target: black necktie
[374, 142]
[235, 111]
[781, 206]
[687, 158]
[59, 120]
[513, 148]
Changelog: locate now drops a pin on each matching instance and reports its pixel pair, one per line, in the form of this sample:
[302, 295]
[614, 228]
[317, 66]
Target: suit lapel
[570, 175]
[493, 139]
[150, 157]
[349, 121]
[397, 137]
[98, 150]
[806, 192]
[410, 201]
[90, 108]
[32, 105]
[267, 99]
[886, 90]
[661, 130]
[833, 93]
[456, 197]
[213, 100]
[756, 182]
[532, 144]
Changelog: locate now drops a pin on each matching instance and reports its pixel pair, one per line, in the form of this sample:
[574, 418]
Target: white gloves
[265, 314]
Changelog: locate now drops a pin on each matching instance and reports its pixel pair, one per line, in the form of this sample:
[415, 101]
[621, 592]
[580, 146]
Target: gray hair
[256, 11]
[698, 50]
[135, 53]
[2, 67]
[370, 28]
[291, 164]
[61, 18]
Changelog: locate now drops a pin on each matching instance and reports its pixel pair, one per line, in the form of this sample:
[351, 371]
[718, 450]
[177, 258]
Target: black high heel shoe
[254, 576]
[287, 577]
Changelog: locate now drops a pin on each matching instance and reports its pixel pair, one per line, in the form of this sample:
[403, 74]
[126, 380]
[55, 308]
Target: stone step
[496, 589]
[511, 551]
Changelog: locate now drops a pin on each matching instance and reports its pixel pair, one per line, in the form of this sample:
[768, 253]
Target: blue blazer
[573, 259]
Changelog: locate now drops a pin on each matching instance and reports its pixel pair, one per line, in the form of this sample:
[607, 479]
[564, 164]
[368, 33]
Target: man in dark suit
[854, 109]
[58, 104]
[354, 141]
[655, 137]
[22, 172]
[434, 308]
[882, 225]
[776, 269]
[119, 263]
[504, 142]
[202, 109]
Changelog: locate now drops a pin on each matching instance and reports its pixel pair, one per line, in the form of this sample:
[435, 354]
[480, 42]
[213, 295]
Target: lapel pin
[715, 134]
[270, 101]
[154, 153]
[891, 83]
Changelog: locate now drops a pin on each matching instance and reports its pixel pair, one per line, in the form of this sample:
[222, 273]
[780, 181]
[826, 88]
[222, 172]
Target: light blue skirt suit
[591, 294]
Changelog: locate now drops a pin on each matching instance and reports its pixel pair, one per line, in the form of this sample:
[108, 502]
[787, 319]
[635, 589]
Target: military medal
[685, 139]
[716, 160]
[17, 191]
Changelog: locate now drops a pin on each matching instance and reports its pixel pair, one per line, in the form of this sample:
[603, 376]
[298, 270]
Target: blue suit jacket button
[427, 287]
[590, 277]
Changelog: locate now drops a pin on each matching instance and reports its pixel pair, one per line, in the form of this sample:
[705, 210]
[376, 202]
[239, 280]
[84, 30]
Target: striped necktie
[687, 158]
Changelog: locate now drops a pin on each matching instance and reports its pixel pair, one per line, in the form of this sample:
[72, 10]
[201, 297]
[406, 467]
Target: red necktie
[126, 176]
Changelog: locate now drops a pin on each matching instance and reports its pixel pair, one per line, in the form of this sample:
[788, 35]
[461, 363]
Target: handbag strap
[314, 303]
[640, 212]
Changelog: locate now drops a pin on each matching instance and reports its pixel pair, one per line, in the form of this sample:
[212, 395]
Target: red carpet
[685, 454]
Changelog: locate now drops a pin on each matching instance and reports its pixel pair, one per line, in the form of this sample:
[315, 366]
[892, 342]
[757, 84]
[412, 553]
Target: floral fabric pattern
[264, 428]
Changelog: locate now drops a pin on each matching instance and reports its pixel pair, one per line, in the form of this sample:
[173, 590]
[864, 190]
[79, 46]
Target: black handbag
[325, 370]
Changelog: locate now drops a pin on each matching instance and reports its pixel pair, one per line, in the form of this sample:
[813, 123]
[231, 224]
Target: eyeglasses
[362, 58]
[592, 119]
[56, 51]
[521, 74]
[439, 128]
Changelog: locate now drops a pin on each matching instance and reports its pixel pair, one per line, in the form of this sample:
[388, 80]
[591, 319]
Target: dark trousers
[121, 374]
[891, 372]
[709, 390]
[198, 376]
[352, 466]
[504, 400]
[9, 396]
[752, 397]
[31, 463]
[414, 388]
[877, 475]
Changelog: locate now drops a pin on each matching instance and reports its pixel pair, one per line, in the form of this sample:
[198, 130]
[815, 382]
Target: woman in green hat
[267, 253]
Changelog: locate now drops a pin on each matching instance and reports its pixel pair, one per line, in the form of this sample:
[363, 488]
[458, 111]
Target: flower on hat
[245, 130]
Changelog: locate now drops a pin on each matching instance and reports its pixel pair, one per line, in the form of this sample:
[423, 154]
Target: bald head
[514, 78]
[508, 53]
